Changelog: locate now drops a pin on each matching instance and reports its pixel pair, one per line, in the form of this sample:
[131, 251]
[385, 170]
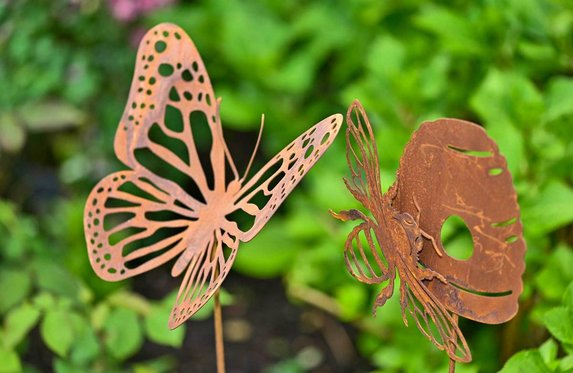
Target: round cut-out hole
[160, 46]
[457, 238]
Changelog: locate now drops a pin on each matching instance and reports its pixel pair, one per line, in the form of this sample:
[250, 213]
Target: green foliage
[65, 69]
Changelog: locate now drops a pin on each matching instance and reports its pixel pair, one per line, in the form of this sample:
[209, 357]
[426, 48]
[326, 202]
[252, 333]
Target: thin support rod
[219, 344]
[452, 361]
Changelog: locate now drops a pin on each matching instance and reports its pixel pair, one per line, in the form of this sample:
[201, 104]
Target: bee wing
[208, 267]
[432, 318]
[364, 260]
[362, 158]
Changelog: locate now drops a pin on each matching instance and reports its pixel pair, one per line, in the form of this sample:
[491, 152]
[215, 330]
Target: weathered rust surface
[169, 204]
[449, 167]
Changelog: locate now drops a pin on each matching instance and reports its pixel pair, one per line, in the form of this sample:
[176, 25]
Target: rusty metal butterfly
[449, 167]
[173, 203]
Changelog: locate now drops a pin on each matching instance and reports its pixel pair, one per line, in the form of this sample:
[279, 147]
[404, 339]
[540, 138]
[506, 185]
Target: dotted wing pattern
[125, 230]
[287, 169]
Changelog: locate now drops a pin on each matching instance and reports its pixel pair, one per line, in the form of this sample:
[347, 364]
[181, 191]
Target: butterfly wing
[171, 100]
[362, 158]
[266, 190]
[432, 319]
[451, 167]
[207, 269]
[131, 225]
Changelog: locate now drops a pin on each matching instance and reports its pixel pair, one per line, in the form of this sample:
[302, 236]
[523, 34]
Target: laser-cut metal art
[173, 204]
[449, 167]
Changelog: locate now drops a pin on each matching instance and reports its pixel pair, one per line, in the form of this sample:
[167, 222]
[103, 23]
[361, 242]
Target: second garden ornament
[449, 167]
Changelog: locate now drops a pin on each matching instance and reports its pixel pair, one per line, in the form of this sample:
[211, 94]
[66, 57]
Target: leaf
[508, 98]
[268, 255]
[558, 100]
[18, 323]
[550, 209]
[130, 300]
[559, 321]
[553, 279]
[548, 351]
[10, 361]
[157, 330]
[529, 361]
[568, 296]
[57, 331]
[123, 333]
[14, 287]
[50, 116]
[351, 299]
[86, 345]
[55, 278]
[13, 135]
[456, 33]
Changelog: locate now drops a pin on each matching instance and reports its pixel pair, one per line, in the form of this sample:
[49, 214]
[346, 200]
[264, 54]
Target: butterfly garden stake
[449, 167]
[173, 203]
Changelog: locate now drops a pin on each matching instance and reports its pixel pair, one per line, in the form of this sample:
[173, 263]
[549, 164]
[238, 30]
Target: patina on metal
[449, 167]
[172, 203]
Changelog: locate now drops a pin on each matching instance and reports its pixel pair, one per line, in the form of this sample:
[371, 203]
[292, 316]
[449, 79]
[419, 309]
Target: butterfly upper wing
[283, 172]
[451, 167]
[432, 319]
[206, 271]
[170, 92]
[362, 157]
[170, 98]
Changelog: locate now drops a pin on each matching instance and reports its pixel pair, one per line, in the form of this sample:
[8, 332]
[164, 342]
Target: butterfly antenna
[225, 148]
[256, 147]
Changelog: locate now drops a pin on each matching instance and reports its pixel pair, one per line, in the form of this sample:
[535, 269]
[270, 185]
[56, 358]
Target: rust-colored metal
[139, 219]
[449, 167]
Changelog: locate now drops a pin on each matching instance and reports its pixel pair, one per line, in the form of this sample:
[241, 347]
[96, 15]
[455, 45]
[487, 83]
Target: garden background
[65, 71]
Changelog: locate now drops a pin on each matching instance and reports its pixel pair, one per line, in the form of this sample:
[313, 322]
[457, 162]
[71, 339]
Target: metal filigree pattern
[449, 167]
[172, 202]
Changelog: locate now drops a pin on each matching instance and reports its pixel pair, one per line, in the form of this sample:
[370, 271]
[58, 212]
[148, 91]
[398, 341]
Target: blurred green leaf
[14, 287]
[453, 29]
[17, 324]
[559, 321]
[548, 352]
[123, 333]
[558, 99]
[57, 331]
[13, 135]
[269, 254]
[156, 327]
[351, 299]
[10, 361]
[549, 210]
[50, 116]
[55, 278]
[529, 361]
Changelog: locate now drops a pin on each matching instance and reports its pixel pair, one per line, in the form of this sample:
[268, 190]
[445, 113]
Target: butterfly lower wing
[171, 102]
[207, 269]
[362, 158]
[432, 318]
[286, 170]
[132, 225]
